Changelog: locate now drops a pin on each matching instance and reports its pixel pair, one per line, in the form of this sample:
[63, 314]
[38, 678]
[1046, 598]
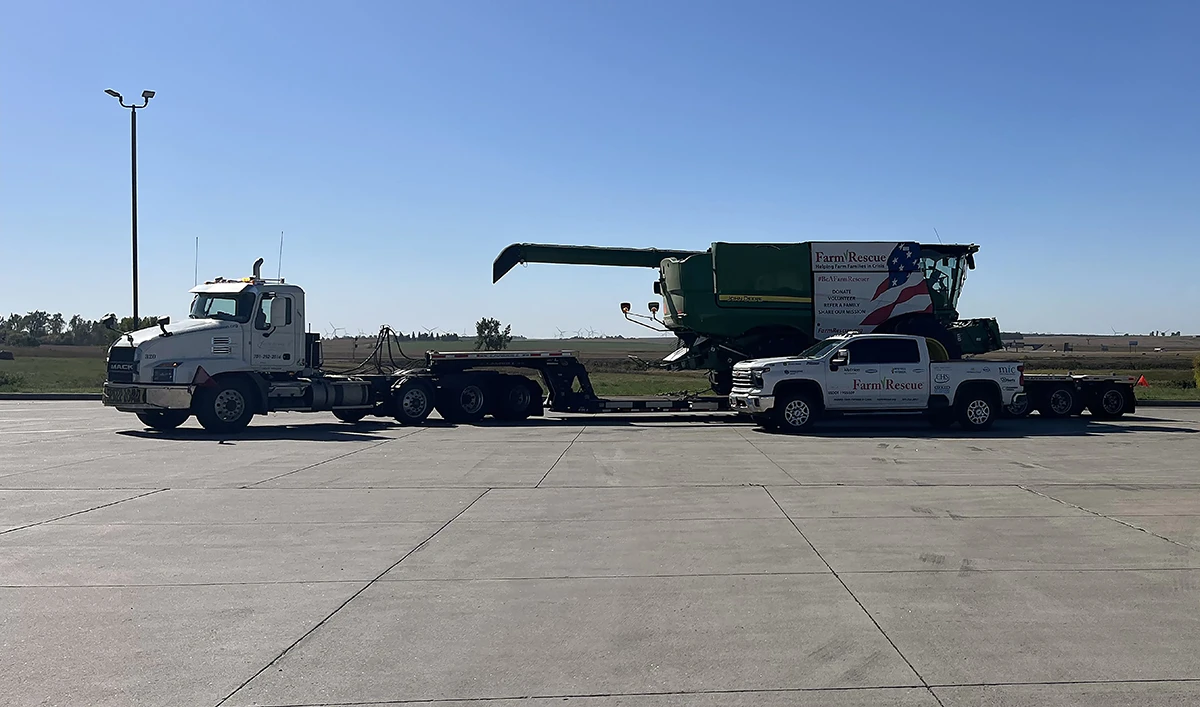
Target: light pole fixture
[133, 109]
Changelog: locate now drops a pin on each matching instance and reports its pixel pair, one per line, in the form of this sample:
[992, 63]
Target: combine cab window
[944, 277]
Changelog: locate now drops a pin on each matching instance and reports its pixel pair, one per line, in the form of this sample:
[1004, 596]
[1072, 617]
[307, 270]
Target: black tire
[796, 412]
[1019, 409]
[976, 408]
[1060, 401]
[351, 416]
[412, 401]
[517, 398]
[164, 420]
[463, 401]
[225, 407]
[1109, 403]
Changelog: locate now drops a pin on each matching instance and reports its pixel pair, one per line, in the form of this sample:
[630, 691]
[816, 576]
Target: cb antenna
[279, 274]
[196, 267]
[939, 236]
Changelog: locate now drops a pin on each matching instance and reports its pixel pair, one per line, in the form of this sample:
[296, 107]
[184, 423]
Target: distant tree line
[38, 327]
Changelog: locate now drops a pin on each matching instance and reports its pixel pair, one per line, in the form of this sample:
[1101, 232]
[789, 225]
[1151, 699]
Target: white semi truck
[244, 351]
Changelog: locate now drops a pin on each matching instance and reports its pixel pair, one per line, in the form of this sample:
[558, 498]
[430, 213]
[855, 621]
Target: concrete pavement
[646, 561]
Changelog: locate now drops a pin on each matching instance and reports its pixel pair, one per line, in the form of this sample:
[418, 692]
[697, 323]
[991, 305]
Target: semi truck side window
[262, 320]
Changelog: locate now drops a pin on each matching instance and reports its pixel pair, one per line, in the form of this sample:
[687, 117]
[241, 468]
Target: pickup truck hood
[777, 361]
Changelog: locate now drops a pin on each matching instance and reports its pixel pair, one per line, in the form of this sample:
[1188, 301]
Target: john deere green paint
[737, 301]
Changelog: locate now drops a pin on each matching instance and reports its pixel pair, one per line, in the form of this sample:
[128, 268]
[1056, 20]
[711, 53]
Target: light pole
[146, 96]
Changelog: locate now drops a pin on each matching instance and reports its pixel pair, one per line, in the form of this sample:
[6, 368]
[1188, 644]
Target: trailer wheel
[1110, 403]
[516, 399]
[976, 409]
[795, 412]
[1019, 409]
[464, 401]
[413, 401]
[1060, 401]
[225, 407]
[164, 420]
[351, 416]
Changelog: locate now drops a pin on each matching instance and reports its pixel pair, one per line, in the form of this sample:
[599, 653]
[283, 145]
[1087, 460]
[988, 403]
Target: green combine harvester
[737, 301]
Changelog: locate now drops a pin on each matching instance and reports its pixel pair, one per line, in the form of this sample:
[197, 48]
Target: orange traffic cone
[1142, 382]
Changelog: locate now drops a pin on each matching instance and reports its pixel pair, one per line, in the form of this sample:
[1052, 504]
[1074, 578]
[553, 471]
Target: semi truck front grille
[121, 366]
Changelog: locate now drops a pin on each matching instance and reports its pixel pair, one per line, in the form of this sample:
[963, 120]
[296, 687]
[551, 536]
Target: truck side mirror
[625, 307]
[653, 307]
[841, 358]
[109, 321]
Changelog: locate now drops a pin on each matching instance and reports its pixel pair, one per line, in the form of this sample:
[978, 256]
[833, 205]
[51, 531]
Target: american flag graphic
[896, 295]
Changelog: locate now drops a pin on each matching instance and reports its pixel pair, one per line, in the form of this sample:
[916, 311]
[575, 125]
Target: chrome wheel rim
[796, 413]
[1061, 402]
[414, 402]
[1112, 402]
[978, 412]
[471, 399]
[229, 405]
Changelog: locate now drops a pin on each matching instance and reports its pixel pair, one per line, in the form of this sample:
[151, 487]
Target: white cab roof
[223, 287]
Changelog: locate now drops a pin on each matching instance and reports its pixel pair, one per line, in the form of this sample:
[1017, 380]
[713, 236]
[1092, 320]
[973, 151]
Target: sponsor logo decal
[888, 384]
[1007, 370]
[941, 378]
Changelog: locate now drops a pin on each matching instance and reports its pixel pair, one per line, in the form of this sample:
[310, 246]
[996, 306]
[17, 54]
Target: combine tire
[225, 407]
[1060, 401]
[164, 420]
[1110, 403]
[463, 401]
[795, 412]
[412, 401]
[976, 409]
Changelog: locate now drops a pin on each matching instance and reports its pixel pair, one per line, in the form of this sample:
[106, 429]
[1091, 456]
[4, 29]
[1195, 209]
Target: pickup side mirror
[841, 358]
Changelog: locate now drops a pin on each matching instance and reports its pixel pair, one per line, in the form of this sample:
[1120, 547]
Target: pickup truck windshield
[821, 348]
[233, 307]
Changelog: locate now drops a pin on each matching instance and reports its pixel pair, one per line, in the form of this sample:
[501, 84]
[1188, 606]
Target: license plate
[125, 395]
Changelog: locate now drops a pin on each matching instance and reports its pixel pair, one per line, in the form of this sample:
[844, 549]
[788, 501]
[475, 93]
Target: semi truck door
[274, 346]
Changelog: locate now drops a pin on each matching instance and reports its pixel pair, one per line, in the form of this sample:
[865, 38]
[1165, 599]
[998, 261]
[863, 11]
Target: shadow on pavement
[315, 432]
[883, 426]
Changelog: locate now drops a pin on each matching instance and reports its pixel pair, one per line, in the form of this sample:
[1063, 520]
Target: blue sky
[401, 146]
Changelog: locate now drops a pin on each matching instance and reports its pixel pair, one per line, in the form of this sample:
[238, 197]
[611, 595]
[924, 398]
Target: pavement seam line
[856, 600]
[560, 456]
[351, 598]
[1107, 517]
[86, 510]
[768, 458]
[331, 459]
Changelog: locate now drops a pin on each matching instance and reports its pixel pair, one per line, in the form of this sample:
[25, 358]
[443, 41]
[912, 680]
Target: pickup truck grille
[121, 366]
[743, 381]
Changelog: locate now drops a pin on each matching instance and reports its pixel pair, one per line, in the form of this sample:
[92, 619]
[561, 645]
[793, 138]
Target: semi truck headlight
[165, 372]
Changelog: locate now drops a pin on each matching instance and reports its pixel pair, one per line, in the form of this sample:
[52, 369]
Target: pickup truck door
[881, 374]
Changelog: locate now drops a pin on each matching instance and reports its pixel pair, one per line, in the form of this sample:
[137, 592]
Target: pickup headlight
[165, 372]
[756, 376]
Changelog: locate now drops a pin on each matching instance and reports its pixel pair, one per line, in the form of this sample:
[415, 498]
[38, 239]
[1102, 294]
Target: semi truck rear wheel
[164, 419]
[413, 401]
[225, 407]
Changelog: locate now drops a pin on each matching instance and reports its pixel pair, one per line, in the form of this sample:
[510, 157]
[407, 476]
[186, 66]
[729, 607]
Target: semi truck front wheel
[224, 407]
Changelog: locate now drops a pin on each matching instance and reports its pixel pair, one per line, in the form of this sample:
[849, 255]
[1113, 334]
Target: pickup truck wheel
[413, 401]
[164, 420]
[796, 412]
[462, 402]
[1060, 401]
[977, 410]
[351, 416]
[225, 407]
[1109, 404]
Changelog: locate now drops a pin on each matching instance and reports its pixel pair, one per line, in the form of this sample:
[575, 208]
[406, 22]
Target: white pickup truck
[862, 373]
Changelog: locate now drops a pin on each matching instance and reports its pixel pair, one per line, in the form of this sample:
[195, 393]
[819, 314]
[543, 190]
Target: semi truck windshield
[229, 307]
